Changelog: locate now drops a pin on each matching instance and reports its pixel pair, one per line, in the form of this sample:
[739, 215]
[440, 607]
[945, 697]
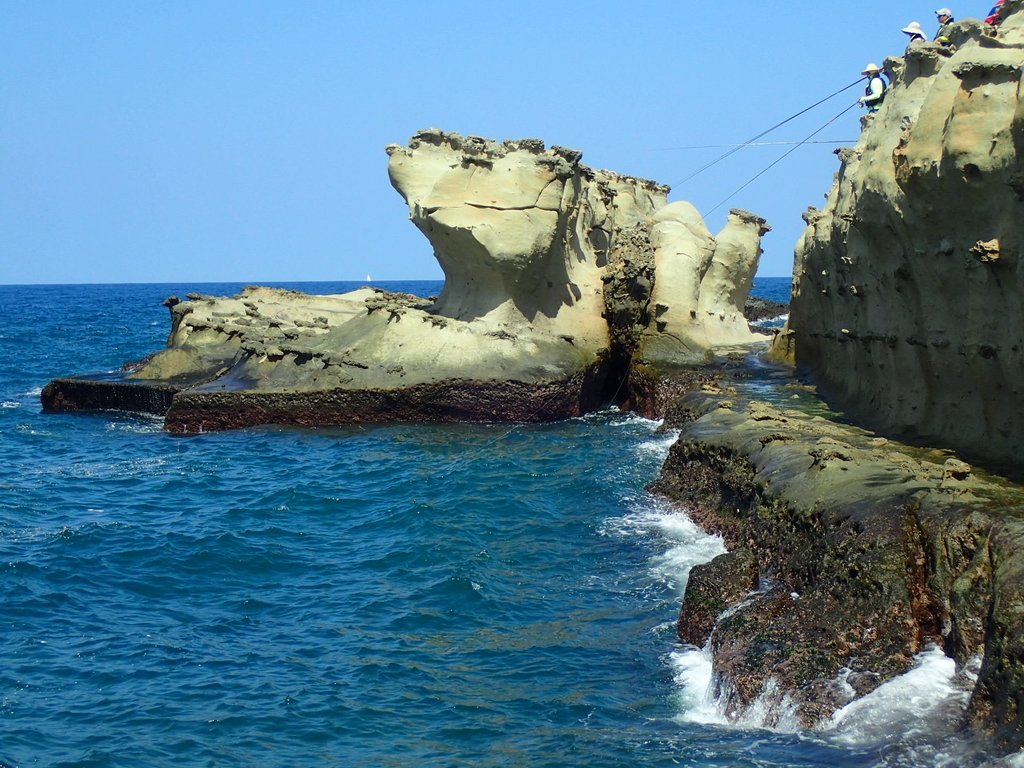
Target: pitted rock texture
[550, 270]
[907, 303]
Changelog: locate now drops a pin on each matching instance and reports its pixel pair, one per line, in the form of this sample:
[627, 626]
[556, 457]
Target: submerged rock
[906, 306]
[550, 268]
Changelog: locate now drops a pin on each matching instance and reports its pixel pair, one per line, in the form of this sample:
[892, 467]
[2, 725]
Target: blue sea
[392, 595]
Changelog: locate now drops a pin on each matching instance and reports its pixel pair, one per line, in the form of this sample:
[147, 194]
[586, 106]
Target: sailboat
[368, 278]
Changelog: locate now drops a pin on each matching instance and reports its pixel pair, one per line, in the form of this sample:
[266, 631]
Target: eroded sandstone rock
[702, 284]
[550, 268]
[907, 291]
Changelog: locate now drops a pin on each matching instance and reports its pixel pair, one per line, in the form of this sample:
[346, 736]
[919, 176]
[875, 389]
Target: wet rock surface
[865, 552]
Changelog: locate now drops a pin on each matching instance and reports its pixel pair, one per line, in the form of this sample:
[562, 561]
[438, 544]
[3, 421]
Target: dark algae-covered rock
[713, 587]
[849, 554]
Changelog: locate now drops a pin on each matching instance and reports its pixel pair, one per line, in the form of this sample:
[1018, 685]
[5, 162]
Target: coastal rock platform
[848, 554]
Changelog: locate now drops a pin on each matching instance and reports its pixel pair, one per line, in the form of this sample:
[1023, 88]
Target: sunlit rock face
[907, 303]
[529, 236]
[702, 283]
[523, 233]
[551, 269]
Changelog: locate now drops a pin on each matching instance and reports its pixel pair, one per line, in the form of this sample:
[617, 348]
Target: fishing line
[782, 157]
[758, 144]
[735, 149]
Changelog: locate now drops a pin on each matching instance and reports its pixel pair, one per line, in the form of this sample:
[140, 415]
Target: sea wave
[771, 322]
[680, 543]
[931, 696]
[912, 720]
[659, 445]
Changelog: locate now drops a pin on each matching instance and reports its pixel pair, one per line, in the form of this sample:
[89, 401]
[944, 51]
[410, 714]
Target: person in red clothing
[993, 17]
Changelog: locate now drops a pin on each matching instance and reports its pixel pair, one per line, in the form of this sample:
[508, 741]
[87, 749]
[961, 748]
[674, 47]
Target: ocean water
[393, 595]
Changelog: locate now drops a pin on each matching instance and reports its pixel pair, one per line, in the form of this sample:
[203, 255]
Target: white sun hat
[871, 69]
[913, 28]
[944, 12]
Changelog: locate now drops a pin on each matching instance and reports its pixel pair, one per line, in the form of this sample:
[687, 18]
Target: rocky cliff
[558, 279]
[907, 308]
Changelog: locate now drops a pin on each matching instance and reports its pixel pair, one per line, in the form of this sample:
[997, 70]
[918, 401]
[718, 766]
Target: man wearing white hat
[945, 16]
[914, 31]
[875, 91]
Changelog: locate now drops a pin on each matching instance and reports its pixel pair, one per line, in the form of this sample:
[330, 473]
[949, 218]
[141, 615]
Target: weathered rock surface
[702, 284]
[866, 551]
[551, 268]
[907, 304]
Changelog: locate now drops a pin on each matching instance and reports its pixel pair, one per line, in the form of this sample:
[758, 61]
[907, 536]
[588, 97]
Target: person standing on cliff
[945, 16]
[874, 93]
[915, 32]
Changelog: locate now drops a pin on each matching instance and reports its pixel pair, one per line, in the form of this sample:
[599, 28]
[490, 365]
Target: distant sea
[392, 595]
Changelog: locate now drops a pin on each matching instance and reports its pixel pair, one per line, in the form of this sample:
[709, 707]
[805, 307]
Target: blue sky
[244, 141]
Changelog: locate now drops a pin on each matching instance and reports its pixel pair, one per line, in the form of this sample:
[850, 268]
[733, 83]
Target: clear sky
[244, 141]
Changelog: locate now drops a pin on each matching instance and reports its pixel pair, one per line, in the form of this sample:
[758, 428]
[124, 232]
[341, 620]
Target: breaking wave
[912, 720]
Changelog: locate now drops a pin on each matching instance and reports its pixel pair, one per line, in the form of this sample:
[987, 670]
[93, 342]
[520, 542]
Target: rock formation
[551, 269]
[907, 307]
[702, 283]
[849, 553]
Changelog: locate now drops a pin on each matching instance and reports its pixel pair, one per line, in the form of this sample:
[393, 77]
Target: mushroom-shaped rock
[549, 270]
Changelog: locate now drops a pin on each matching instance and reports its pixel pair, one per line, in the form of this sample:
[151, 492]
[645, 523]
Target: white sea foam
[693, 673]
[913, 719]
[658, 445]
[690, 546]
[703, 699]
[26, 429]
[156, 465]
[771, 322]
[928, 699]
[1010, 761]
[771, 710]
[34, 392]
[634, 419]
[10, 404]
[683, 543]
[139, 424]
